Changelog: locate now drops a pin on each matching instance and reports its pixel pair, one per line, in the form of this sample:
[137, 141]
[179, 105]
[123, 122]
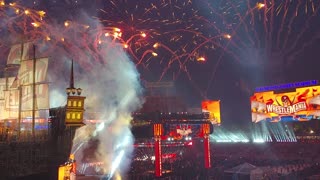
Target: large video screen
[301, 105]
[213, 108]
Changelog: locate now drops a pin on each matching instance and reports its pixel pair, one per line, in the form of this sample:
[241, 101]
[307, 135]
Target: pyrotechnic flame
[228, 36]
[260, 5]
[41, 14]
[156, 45]
[117, 30]
[67, 23]
[201, 59]
[36, 24]
[27, 12]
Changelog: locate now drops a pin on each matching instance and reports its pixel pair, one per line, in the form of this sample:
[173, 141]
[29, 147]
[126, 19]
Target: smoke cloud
[108, 77]
[114, 91]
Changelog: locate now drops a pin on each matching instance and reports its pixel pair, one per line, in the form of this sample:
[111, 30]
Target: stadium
[274, 146]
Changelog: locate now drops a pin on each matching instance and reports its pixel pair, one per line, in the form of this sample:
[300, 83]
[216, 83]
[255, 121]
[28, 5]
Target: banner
[301, 105]
[213, 107]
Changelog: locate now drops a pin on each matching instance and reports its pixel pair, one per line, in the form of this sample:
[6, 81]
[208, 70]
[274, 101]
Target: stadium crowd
[234, 161]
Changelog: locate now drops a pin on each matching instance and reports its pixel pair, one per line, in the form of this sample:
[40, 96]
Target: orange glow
[156, 45]
[143, 34]
[36, 24]
[201, 59]
[205, 129]
[66, 23]
[48, 38]
[12, 4]
[26, 12]
[154, 54]
[228, 36]
[117, 29]
[2, 3]
[157, 129]
[125, 46]
[106, 34]
[41, 13]
[260, 5]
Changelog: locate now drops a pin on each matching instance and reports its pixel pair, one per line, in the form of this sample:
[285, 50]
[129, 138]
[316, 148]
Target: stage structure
[167, 115]
[166, 121]
[175, 126]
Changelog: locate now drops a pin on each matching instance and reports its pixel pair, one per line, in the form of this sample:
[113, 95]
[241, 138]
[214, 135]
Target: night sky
[274, 44]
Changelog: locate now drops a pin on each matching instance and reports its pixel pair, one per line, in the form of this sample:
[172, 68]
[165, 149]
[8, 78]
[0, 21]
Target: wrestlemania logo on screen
[301, 105]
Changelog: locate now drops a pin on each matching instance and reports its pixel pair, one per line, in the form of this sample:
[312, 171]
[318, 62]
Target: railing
[9, 136]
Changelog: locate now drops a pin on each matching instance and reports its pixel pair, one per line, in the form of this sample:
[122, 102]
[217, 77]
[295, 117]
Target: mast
[71, 85]
[20, 96]
[34, 91]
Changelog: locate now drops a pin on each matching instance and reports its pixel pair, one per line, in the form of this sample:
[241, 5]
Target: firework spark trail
[167, 22]
[271, 19]
[282, 24]
[293, 17]
[226, 46]
[300, 35]
[270, 34]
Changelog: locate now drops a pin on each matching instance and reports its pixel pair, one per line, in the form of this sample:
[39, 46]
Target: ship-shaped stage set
[36, 138]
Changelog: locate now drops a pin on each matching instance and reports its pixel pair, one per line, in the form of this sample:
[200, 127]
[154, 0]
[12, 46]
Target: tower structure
[73, 119]
[75, 104]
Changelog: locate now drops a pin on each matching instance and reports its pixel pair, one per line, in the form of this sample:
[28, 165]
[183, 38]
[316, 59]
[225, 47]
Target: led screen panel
[301, 105]
[213, 108]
